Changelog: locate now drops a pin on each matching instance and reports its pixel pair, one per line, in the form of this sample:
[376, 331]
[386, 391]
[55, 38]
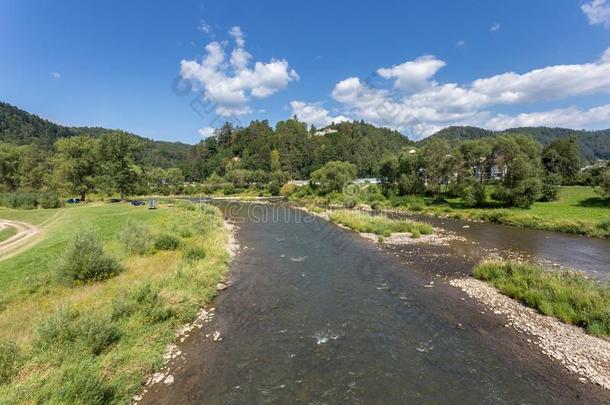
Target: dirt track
[26, 234]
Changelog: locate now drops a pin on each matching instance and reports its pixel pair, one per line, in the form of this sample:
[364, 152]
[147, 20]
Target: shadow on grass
[594, 202]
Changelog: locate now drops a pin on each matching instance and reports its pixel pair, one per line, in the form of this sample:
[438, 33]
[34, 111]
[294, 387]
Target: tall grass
[567, 296]
[379, 225]
[94, 343]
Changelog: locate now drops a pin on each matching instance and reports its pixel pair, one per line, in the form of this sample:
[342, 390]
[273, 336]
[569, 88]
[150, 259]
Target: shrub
[166, 242]
[56, 330]
[83, 384]
[136, 239]
[19, 200]
[97, 334]
[287, 189]
[50, 200]
[378, 224]
[10, 357]
[85, 260]
[193, 252]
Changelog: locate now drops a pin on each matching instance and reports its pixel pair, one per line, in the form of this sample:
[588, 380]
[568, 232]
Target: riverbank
[96, 342]
[569, 345]
[578, 210]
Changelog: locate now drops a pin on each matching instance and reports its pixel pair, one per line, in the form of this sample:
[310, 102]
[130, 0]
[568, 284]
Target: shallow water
[318, 315]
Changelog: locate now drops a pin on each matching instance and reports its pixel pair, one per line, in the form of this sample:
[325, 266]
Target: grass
[567, 296]
[7, 232]
[578, 210]
[379, 225]
[96, 342]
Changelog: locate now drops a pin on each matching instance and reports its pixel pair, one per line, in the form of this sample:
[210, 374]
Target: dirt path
[26, 235]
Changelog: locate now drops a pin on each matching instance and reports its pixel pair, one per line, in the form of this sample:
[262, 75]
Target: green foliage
[378, 224]
[83, 384]
[20, 200]
[166, 242]
[10, 358]
[84, 260]
[570, 297]
[194, 252]
[562, 158]
[136, 239]
[333, 176]
[604, 184]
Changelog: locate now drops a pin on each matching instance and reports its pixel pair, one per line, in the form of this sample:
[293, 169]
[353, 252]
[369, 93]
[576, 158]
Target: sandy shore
[579, 352]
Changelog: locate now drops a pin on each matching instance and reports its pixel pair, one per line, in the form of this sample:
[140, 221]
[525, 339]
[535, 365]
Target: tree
[119, 156]
[10, 156]
[333, 176]
[34, 168]
[562, 157]
[440, 165]
[77, 163]
[275, 160]
[293, 147]
[518, 157]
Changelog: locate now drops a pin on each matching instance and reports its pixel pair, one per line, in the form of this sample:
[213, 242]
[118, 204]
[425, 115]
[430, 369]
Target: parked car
[73, 201]
[138, 203]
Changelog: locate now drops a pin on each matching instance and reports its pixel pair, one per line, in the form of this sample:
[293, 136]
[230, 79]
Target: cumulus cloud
[417, 105]
[598, 12]
[206, 132]
[314, 114]
[495, 27]
[55, 75]
[460, 44]
[230, 84]
[412, 75]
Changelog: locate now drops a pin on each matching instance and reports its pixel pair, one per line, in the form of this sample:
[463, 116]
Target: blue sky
[413, 66]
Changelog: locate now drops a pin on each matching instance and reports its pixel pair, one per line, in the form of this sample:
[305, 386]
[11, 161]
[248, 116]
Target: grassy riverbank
[95, 342]
[578, 210]
[567, 296]
[378, 224]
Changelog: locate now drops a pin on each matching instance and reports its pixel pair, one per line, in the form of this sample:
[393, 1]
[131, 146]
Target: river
[318, 315]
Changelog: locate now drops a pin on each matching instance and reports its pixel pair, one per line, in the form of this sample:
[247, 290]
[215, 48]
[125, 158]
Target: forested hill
[593, 144]
[22, 128]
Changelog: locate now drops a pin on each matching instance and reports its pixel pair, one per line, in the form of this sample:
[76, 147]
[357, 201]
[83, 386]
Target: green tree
[10, 156]
[333, 176]
[275, 160]
[604, 185]
[34, 168]
[562, 157]
[120, 155]
[77, 163]
[518, 157]
[441, 163]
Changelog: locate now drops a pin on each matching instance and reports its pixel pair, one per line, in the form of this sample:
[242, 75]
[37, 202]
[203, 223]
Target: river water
[318, 315]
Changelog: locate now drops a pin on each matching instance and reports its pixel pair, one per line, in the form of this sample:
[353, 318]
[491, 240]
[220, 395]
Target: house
[325, 131]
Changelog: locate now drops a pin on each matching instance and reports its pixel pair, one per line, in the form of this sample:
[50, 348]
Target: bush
[56, 330]
[378, 224]
[288, 189]
[10, 358]
[83, 384]
[136, 239]
[19, 200]
[85, 260]
[50, 200]
[193, 253]
[143, 302]
[97, 334]
[166, 242]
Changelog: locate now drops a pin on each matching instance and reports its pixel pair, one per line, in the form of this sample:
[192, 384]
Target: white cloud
[572, 117]
[598, 12]
[495, 27]
[206, 132]
[230, 85]
[461, 43]
[314, 114]
[436, 105]
[55, 75]
[205, 28]
[412, 75]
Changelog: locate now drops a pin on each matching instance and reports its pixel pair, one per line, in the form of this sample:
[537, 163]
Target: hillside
[21, 127]
[593, 144]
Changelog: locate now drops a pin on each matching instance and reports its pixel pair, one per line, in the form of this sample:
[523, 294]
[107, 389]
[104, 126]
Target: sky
[176, 70]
